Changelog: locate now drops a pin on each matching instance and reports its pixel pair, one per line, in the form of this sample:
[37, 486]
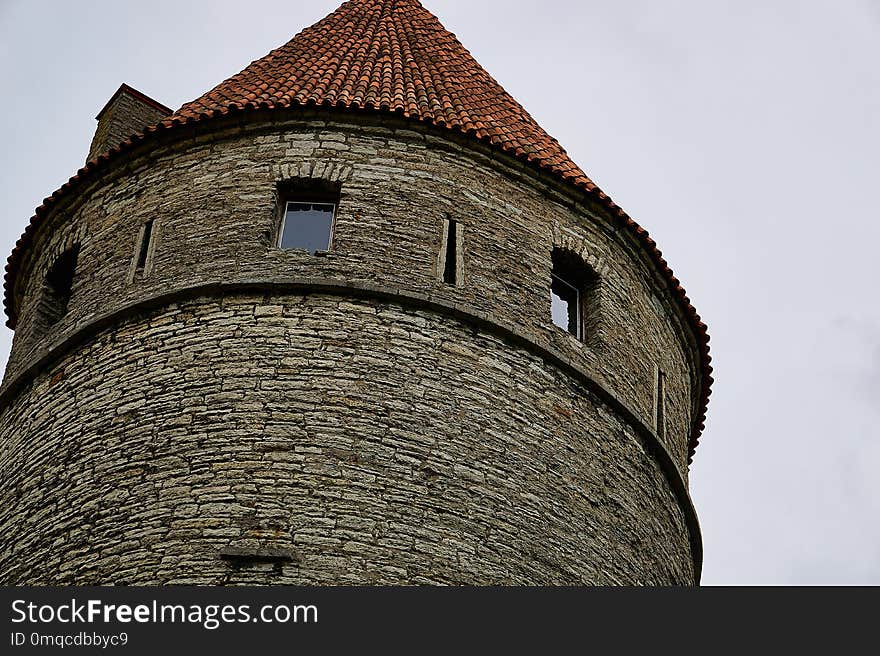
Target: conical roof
[391, 55]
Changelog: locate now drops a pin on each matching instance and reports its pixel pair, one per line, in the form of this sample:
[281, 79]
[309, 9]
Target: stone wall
[347, 441]
[212, 199]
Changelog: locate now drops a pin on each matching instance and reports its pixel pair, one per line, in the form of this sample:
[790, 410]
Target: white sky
[742, 135]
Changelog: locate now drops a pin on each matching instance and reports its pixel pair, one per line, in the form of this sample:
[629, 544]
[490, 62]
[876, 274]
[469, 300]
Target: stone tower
[352, 316]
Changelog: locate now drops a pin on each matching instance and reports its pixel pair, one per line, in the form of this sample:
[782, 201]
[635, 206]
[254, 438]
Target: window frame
[570, 269]
[660, 409]
[287, 200]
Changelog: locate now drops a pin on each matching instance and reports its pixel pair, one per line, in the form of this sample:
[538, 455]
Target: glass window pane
[559, 309]
[308, 226]
[565, 306]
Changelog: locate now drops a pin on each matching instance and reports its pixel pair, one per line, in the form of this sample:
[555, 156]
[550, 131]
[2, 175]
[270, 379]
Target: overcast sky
[743, 135]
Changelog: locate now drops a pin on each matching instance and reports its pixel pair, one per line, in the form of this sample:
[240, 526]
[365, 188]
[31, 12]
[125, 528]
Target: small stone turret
[126, 113]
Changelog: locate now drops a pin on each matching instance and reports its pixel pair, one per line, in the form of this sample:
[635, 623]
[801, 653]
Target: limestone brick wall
[213, 203]
[340, 435]
[347, 441]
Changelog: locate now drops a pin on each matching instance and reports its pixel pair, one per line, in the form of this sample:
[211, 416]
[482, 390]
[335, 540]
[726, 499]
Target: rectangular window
[307, 226]
[306, 214]
[574, 296]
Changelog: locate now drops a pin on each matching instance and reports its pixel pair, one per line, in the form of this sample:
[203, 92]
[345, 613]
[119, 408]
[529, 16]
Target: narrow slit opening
[661, 404]
[145, 245]
[450, 268]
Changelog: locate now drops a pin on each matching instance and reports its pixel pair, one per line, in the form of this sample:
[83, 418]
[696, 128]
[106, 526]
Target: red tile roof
[387, 56]
[391, 55]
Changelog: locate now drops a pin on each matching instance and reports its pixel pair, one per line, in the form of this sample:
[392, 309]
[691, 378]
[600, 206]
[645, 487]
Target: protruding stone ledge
[590, 379]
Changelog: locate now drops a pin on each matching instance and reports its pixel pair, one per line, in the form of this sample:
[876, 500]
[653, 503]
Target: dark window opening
[57, 288]
[145, 245]
[450, 265]
[308, 215]
[574, 295]
[661, 404]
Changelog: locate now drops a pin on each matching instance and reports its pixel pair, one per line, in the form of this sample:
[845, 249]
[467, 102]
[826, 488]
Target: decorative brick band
[591, 380]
